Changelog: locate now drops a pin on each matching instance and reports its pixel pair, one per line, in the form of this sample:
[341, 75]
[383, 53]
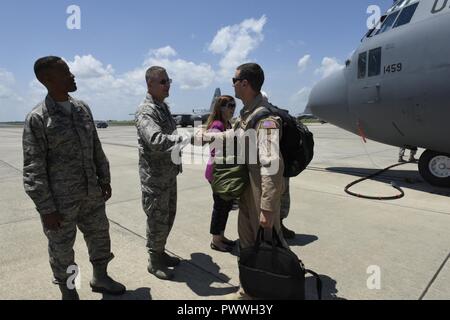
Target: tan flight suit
[265, 189]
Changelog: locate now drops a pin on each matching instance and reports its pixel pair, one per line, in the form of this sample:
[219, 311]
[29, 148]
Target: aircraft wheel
[434, 167]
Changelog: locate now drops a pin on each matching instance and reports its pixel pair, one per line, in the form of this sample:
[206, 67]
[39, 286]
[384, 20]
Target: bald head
[153, 73]
[158, 83]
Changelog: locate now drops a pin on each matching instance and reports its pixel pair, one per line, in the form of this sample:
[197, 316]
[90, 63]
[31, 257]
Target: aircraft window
[374, 62]
[371, 31]
[362, 65]
[406, 15]
[400, 4]
[388, 22]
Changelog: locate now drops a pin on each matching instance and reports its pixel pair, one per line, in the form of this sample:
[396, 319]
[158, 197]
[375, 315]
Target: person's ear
[46, 79]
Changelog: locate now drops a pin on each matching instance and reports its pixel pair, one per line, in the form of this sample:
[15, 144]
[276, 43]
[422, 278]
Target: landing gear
[434, 167]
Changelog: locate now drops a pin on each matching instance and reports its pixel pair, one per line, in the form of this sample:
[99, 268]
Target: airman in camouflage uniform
[66, 174]
[157, 141]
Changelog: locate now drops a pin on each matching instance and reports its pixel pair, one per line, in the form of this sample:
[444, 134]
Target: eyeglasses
[165, 81]
[230, 105]
[235, 80]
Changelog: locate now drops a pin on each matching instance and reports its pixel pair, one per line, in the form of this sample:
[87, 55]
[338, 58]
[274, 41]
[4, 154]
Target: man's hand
[52, 221]
[202, 137]
[186, 139]
[266, 219]
[106, 191]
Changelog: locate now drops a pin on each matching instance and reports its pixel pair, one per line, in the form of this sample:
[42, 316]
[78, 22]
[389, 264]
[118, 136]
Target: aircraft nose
[328, 100]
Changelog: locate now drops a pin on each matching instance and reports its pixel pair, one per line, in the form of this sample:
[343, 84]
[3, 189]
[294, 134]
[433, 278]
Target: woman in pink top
[219, 121]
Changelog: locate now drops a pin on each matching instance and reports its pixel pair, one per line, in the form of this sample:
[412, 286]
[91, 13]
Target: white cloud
[186, 74]
[12, 104]
[7, 80]
[36, 91]
[114, 96]
[5, 92]
[109, 95]
[87, 67]
[162, 53]
[235, 43]
[304, 62]
[300, 99]
[102, 81]
[6, 77]
[329, 66]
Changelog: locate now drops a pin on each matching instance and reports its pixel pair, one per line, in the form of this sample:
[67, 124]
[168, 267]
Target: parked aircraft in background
[395, 89]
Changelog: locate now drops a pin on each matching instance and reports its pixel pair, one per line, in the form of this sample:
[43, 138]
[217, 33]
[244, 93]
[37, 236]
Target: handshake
[200, 137]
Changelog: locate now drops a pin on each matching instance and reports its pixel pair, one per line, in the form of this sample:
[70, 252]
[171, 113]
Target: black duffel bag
[271, 271]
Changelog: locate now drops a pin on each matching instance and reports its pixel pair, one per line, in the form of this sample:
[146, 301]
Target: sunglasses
[235, 80]
[230, 105]
[165, 81]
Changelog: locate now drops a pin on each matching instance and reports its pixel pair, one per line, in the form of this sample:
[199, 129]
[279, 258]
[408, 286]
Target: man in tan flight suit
[260, 203]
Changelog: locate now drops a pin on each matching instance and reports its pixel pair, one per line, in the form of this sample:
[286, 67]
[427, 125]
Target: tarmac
[362, 249]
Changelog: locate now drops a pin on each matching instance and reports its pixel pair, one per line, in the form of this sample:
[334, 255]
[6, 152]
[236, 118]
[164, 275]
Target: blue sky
[200, 43]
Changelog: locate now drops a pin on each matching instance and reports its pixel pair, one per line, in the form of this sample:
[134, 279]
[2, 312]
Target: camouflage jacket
[63, 156]
[158, 138]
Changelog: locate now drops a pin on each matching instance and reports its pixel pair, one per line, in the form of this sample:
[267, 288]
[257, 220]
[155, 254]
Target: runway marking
[10, 166]
[434, 277]
[19, 221]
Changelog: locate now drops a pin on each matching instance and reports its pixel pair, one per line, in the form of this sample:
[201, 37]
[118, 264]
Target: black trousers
[220, 215]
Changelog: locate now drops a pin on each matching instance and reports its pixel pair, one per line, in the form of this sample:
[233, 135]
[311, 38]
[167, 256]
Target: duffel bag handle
[318, 282]
[276, 242]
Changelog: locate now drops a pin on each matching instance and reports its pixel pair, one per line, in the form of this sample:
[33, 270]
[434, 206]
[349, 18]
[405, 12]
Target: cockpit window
[374, 62]
[388, 22]
[400, 4]
[406, 15]
[362, 65]
[372, 32]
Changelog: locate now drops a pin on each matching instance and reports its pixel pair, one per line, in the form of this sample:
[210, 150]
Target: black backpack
[273, 272]
[297, 142]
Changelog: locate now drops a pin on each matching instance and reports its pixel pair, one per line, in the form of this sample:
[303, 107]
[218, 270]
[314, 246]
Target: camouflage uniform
[64, 165]
[157, 140]
[264, 191]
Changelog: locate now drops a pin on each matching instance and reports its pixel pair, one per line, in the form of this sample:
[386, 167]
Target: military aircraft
[197, 116]
[396, 87]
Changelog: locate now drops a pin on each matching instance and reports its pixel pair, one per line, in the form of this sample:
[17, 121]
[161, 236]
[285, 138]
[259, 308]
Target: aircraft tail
[217, 94]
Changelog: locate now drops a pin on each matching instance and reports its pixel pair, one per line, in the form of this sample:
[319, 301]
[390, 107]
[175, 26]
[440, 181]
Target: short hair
[153, 72]
[43, 65]
[254, 74]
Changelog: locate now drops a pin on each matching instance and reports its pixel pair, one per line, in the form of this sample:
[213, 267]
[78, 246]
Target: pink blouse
[217, 126]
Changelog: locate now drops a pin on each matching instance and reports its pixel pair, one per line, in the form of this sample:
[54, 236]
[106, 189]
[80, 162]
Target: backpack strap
[257, 116]
[318, 282]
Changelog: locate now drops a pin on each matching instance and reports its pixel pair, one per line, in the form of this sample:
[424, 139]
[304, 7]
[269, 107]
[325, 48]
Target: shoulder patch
[269, 124]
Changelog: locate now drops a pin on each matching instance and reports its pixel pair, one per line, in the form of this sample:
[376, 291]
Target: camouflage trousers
[285, 201]
[159, 200]
[90, 217]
